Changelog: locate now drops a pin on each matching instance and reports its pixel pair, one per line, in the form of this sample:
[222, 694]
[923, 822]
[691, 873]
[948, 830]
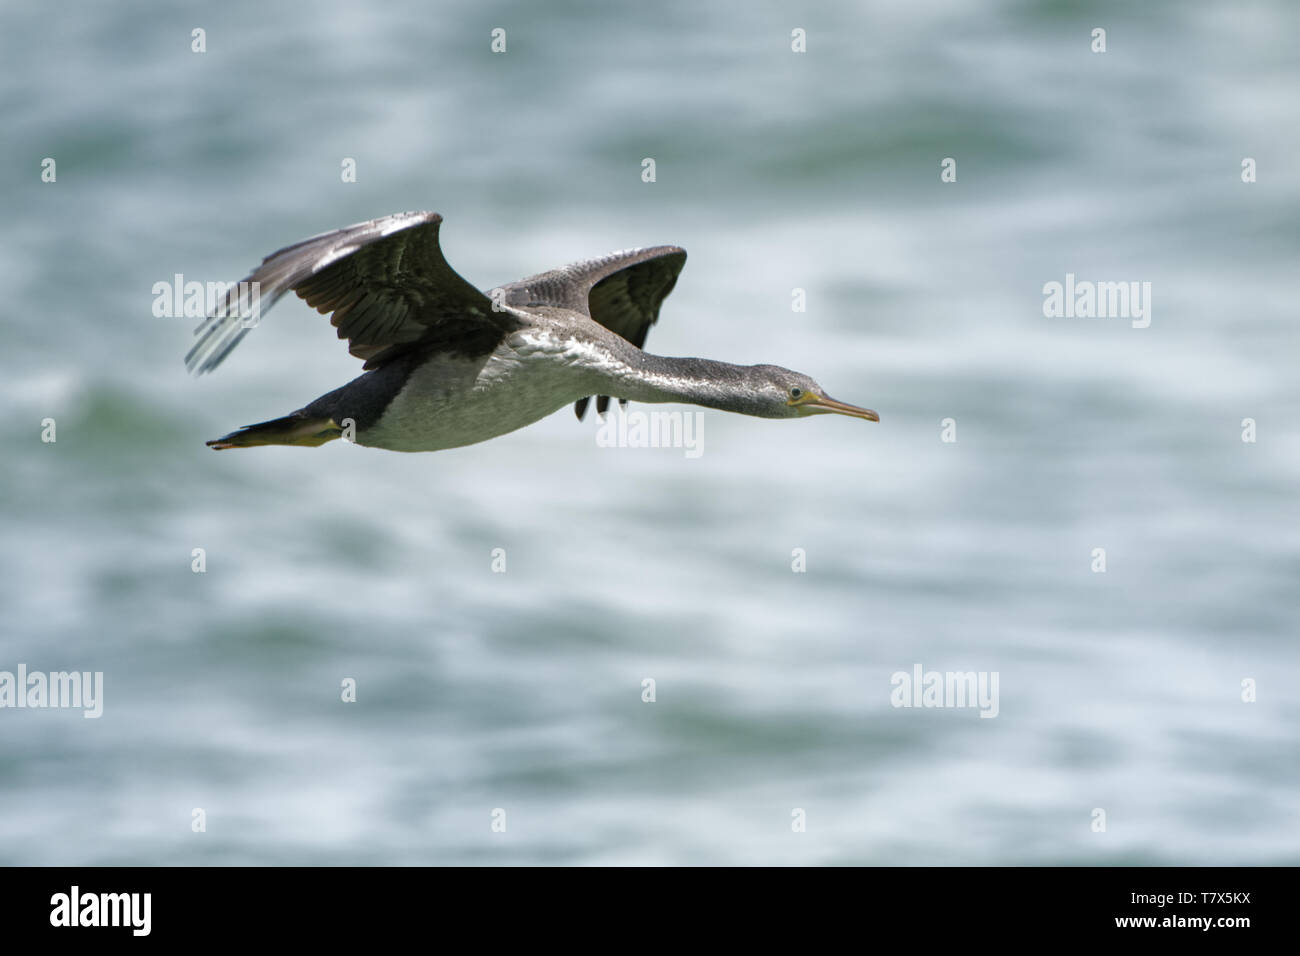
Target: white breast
[452, 401]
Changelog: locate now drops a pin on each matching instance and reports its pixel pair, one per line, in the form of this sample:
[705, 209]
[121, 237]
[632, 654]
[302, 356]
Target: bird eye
[796, 392]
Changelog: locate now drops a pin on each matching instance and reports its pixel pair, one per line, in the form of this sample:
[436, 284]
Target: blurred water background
[523, 690]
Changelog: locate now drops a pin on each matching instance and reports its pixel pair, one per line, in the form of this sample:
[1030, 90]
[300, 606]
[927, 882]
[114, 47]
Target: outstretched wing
[385, 281]
[622, 291]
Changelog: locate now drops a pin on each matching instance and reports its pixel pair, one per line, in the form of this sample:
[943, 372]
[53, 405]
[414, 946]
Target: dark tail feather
[295, 429]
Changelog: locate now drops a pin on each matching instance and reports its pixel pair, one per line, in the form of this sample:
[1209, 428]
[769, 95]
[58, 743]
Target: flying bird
[447, 365]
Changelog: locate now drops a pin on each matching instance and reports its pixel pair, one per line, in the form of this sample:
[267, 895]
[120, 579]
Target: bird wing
[622, 291]
[385, 281]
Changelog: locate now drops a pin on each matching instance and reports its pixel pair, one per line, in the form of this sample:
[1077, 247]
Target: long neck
[658, 378]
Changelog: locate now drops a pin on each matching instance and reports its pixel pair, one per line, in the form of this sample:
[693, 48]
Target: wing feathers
[622, 291]
[385, 281]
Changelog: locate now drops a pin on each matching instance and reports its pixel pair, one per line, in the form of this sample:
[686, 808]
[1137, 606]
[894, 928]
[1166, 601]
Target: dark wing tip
[389, 291]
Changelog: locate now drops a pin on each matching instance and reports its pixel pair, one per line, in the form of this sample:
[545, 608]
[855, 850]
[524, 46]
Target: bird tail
[295, 429]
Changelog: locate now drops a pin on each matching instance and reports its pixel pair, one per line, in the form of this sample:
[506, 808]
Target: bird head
[790, 394]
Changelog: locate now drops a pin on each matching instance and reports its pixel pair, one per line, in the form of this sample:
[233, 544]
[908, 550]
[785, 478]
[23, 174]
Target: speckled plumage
[447, 365]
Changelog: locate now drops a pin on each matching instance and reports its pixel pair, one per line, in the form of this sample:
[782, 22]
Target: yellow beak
[817, 404]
